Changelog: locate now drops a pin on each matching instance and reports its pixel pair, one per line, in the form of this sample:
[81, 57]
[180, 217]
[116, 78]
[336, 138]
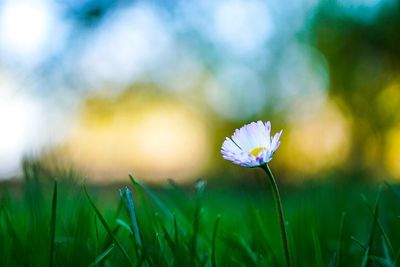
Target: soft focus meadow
[114, 116]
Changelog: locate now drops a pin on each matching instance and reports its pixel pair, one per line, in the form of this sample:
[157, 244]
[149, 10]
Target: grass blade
[380, 227]
[332, 263]
[264, 233]
[170, 242]
[96, 244]
[14, 236]
[120, 205]
[380, 261]
[196, 220]
[143, 201]
[396, 259]
[176, 231]
[317, 248]
[142, 198]
[102, 256]
[133, 217]
[373, 228]
[155, 198]
[387, 259]
[214, 237]
[125, 225]
[358, 242]
[339, 252]
[106, 226]
[242, 249]
[53, 223]
[365, 259]
[109, 240]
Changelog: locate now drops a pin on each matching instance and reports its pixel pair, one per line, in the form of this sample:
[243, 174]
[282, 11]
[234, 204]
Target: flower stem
[278, 203]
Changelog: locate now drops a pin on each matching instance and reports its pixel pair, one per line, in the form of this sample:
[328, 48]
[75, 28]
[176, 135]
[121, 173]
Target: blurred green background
[153, 87]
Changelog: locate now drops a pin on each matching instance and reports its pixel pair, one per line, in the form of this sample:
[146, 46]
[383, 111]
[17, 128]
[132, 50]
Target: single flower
[251, 145]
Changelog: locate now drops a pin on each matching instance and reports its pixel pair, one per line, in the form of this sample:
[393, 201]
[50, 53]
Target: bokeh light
[241, 26]
[88, 81]
[392, 162]
[128, 45]
[20, 124]
[321, 133]
[226, 95]
[29, 30]
[154, 140]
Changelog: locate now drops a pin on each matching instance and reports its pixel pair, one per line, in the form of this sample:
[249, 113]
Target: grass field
[65, 224]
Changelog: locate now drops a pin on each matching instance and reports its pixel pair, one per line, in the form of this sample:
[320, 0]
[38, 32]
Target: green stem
[278, 203]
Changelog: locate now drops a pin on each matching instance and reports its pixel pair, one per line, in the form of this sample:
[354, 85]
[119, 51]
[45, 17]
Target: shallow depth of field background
[94, 90]
[153, 87]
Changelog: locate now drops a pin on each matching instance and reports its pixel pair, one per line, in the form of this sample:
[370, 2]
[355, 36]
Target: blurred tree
[364, 59]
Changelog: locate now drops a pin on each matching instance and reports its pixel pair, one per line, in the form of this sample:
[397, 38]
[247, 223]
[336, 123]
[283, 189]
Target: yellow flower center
[256, 151]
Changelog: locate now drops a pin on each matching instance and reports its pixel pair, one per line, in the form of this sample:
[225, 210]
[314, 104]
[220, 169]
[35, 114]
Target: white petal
[251, 132]
[275, 141]
[241, 139]
[244, 140]
[262, 134]
[230, 146]
[268, 134]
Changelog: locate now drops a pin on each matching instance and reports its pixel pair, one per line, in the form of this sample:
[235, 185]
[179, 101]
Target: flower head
[251, 145]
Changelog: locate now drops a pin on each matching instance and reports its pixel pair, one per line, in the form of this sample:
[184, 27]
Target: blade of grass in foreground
[170, 242]
[387, 259]
[365, 258]
[317, 248]
[53, 223]
[381, 229]
[143, 201]
[396, 259]
[133, 217]
[176, 232]
[332, 263]
[201, 185]
[155, 198]
[264, 234]
[358, 242]
[102, 256]
[125, 225]
[106, 226]
[14, 236]
[120, 205]
[378, 260]
[109, 240]
[339, 251]
[96, 240]
[241, 249]
[214, 237]
[374, 225]
[138, 241]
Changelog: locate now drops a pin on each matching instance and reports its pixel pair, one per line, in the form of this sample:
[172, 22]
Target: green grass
[66, 224]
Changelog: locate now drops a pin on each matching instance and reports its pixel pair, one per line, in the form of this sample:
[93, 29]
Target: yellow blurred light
[389, 100]
[154, 141]
[392, 152]
[315, 141]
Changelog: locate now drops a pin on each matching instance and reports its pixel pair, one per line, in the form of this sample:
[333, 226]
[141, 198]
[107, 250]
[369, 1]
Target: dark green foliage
[68, 225]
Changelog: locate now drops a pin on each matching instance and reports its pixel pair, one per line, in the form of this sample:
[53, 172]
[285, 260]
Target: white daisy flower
[251, 145]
